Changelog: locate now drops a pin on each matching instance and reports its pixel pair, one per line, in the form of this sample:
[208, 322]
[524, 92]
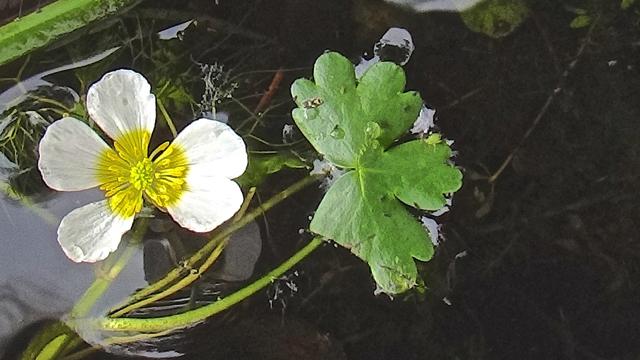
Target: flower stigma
[128, 174]
[142, 174]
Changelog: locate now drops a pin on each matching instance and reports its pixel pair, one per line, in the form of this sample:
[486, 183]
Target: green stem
[193, 275]
[101, 284]
[39, 28]
[173, 322]
[167, 118]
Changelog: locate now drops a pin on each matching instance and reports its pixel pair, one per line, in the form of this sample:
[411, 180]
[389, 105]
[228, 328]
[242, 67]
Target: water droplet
[310, 114]
[337, 133]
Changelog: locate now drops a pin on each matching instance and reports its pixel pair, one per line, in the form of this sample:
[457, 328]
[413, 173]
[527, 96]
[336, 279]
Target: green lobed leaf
[364, 209]
[415, 172]
[361, 210]
[335, 111]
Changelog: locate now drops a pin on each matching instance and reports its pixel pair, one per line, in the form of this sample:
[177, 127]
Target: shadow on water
[540, 260]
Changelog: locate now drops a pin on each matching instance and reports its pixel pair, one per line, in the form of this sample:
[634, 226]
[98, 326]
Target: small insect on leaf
[434, 139]
[312, 103]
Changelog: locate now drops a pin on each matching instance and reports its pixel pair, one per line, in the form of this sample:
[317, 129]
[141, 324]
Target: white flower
[190, 178]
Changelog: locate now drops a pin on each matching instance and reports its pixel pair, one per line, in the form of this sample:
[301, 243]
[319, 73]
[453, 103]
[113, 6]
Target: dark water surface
[540, 261]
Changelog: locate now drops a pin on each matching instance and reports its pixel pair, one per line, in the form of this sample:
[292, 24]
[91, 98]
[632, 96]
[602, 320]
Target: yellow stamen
[171, 172]
[160, 148]
[127, 173]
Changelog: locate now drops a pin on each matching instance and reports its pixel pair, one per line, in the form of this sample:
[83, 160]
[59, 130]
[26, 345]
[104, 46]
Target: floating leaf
[336, 115]
[580, 21]
[626, 3]
[361, 210]
[364, 209]
[261, 166]
[496, 18]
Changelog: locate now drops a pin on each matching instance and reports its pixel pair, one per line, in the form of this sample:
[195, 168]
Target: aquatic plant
[189, 178]
[495, 18]
[354, 124]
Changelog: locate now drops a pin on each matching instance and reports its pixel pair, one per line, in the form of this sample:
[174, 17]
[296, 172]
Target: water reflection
[37, 280]
[437, 5]
[20, 92]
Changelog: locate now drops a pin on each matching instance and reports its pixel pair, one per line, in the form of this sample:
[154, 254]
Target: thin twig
[273, 87]
[544, 108]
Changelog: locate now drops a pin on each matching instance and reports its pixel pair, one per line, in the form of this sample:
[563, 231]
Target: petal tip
[92, 232]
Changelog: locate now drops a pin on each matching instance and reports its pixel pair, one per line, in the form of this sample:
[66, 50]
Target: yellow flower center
[127, 173]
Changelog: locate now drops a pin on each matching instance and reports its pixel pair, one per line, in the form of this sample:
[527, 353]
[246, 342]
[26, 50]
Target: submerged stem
[100, 285]
[193, 275]
[181, 271]
[178, 321]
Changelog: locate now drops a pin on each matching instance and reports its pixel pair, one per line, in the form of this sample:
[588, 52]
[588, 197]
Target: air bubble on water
[433, 228]
[424, 122]
[289, 133]
[327, 172]
[395, 45]
[442, 210]
[175, 32]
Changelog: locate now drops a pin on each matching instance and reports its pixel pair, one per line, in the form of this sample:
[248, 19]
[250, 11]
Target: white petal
[69, 153]
[207, 203]
[122, 101]
[90, 233]
[213, 149]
